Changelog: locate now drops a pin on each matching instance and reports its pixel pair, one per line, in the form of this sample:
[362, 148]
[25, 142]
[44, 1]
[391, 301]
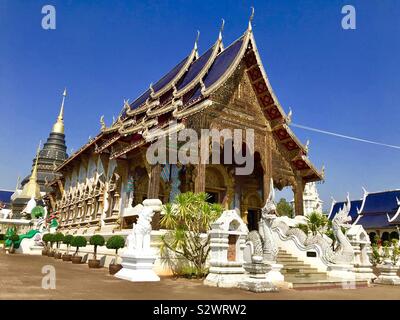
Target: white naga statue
[264, 247]
[139, 238]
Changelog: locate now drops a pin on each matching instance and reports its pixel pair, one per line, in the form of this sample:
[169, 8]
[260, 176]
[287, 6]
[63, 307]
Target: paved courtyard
[21, 278]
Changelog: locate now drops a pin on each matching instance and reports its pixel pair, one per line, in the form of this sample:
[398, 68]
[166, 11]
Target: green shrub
[78, 242]
[37, 212]
[96, 240]
[58, 238]
[187, 218]
[14, 238]
[67, 240]
[46, 239]
[2, 236]
[115, 242]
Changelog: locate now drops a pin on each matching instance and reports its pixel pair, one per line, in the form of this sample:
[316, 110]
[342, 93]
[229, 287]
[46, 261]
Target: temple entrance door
[253, 216]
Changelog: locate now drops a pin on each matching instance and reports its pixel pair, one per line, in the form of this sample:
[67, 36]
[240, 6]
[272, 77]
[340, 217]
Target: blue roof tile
[169, 76]
[374, 221]
[381, 202]
[5, 196]
[222, 62]
[195, 68]
[355, 206]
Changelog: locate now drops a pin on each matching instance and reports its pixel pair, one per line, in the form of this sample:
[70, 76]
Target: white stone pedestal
[273, 273]
[388, 274]
[364, 273]
[341, 271]
[138, 267]
[256, 280]
[36, 250]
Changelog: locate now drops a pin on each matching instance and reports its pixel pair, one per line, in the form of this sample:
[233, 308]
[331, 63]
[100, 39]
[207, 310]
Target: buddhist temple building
[223, 88]
[46, 161]
[377, 212]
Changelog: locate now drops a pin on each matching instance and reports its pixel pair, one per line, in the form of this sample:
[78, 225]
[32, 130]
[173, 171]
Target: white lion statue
[139, 238]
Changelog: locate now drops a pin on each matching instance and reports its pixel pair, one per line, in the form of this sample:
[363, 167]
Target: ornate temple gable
[235, 103]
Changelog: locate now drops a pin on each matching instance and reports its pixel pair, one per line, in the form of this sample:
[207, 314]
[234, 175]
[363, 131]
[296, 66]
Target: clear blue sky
[339, 80]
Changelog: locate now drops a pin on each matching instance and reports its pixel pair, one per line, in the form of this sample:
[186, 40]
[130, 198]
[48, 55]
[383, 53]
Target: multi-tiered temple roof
[53, 153]
[188, 89]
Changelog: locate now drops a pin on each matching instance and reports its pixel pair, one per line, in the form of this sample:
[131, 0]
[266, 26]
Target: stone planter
[66, 257]
[94, 264]
[76, 259]
[58, 255]
[114, 268]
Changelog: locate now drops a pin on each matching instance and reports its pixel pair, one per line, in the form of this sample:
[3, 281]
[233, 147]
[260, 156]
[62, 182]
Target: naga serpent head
[269, 207]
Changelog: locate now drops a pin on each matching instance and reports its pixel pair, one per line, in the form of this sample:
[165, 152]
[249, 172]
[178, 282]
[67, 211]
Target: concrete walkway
[21, 278]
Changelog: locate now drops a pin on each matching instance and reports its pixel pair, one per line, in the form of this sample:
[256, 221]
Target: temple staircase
[301, 276]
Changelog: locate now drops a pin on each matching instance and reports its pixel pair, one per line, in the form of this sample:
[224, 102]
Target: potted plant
[67, 240]
[78, 242]
[45, 239]
[116, 243]
[13, 238]
[95, 241]
[58, 238]
[50, 253]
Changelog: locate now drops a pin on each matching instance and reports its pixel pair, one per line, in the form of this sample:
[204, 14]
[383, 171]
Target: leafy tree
[78, 242]
[115, 242]
[284, 208]
[46, 239]
[96, 240]
[187, 219]
[67, 240]
[37, 212]
[58, 238]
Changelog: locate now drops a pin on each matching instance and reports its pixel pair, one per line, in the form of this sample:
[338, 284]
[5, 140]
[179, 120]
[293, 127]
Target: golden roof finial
[251, 19]
[32, 189]
[197, 40]
[102, 123]
[59, 125]
[221, 30]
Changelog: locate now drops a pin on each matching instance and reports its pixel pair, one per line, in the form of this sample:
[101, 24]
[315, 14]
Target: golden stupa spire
[31, 188]
[59, 125]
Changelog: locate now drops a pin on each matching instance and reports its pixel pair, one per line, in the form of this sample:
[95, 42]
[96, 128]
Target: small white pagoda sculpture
[138, 259]
[227, 243]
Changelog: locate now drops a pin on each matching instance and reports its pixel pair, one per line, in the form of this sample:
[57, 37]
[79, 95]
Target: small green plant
[395, 251]
[46, 239]
[115, 242]
[376, 257]
[78, 242]
[52, 240]
[96, 240]
[187, 219]
[37, 212]
[67, 240]
[317, 223]
[58, 238]
[13, 238]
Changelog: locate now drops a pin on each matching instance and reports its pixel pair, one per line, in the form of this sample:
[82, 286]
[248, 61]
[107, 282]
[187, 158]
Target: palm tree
[188, 218]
